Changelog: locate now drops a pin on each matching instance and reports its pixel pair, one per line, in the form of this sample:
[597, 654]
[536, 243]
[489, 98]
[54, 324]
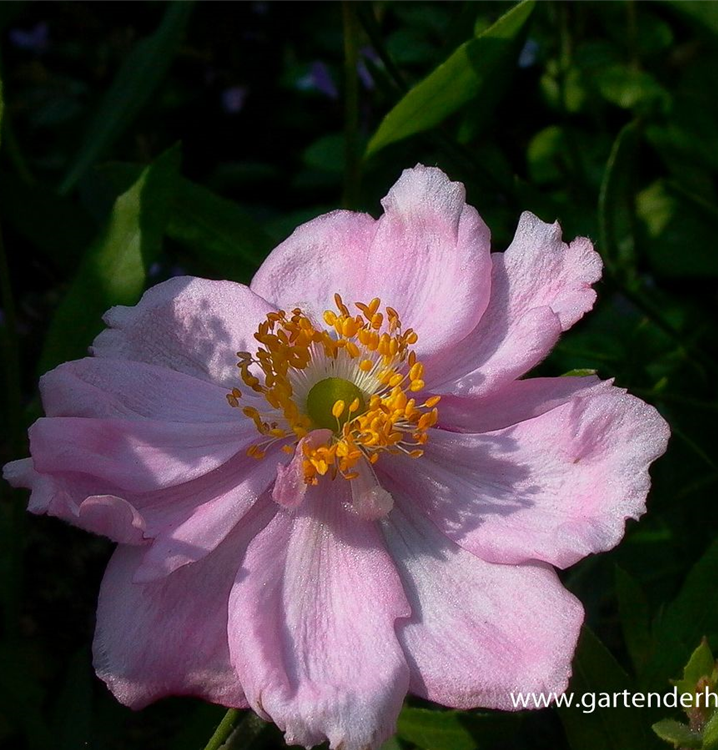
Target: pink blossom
[315, 553]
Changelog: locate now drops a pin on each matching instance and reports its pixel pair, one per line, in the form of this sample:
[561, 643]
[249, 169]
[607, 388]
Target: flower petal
[170, 637]
[183, 522]
[109, 388]
[290, 488]
[554, 488]
[515, 402]
[479, 632]
[311, 627]
[430, 259]
[136, 455]
[320, 258]
[539, 287]
[191, 325]
[427, 256]
[75, 499]
[190, 521]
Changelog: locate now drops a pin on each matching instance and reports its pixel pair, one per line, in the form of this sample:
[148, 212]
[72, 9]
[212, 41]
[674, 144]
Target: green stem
[352, 168]
[233, 734]
[224, 730]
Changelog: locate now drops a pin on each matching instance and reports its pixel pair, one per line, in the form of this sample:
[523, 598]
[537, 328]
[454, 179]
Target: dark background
[601, 115]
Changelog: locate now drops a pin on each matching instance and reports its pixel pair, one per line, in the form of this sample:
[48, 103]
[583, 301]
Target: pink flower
[304, 527]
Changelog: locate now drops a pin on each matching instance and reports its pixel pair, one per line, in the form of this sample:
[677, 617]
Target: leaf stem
[224, 730]
[233, 734]
[352, 168]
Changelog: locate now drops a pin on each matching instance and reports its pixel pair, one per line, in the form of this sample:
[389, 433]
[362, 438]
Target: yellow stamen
[352, 379]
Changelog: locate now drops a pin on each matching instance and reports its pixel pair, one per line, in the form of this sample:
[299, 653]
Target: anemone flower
[332, 487]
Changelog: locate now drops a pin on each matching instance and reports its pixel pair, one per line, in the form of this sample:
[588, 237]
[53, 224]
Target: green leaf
[114, 269]
[140, 74]
[635, 618]
[677, 231]
[616, 201]
[454, 730]
[704, 16]
[701, 664]
[218, 231]
[692, 615]
[629, 88]
[579, 373]
[679, 735]
[56, 225]
[472, 68]
[213, 229]
[595, 671]
[710, 733]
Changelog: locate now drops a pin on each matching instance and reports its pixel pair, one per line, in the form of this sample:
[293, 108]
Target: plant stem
[233, 734]
[352, 168]
[224, 730]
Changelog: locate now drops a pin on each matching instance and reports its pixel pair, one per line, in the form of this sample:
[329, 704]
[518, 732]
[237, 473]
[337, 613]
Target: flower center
[355, 376]
[332, 401]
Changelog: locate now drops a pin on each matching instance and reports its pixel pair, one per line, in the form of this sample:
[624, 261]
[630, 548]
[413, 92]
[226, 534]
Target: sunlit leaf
[216, 231]
[701, 664]
[474, 65]
[114, 269]
[679, 735]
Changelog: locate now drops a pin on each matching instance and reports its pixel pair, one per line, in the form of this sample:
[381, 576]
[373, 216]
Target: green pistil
[325, 394]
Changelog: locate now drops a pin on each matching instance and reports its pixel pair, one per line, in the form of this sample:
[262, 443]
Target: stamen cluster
[368, 349]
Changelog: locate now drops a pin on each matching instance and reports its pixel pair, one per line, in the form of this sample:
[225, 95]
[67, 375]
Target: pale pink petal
[290, 487]
[136, 455]
[430, 259]
[109, 388]
[20, 473]
[427, 256]
[499, 358]
[554, 488]
[370, 501]
[325, 256]
[191, 325]
[539, 287]
[515, 402]
[170, 637]
[479, 632]
[189, 522]
[75, 499]
[110, 516]
[311, 629]
[182, 522]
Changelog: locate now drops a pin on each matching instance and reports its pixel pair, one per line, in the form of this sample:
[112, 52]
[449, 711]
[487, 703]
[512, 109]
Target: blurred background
[249, 118]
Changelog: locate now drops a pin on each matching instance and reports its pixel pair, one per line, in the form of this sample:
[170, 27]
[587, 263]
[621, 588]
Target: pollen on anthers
[355, 379]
